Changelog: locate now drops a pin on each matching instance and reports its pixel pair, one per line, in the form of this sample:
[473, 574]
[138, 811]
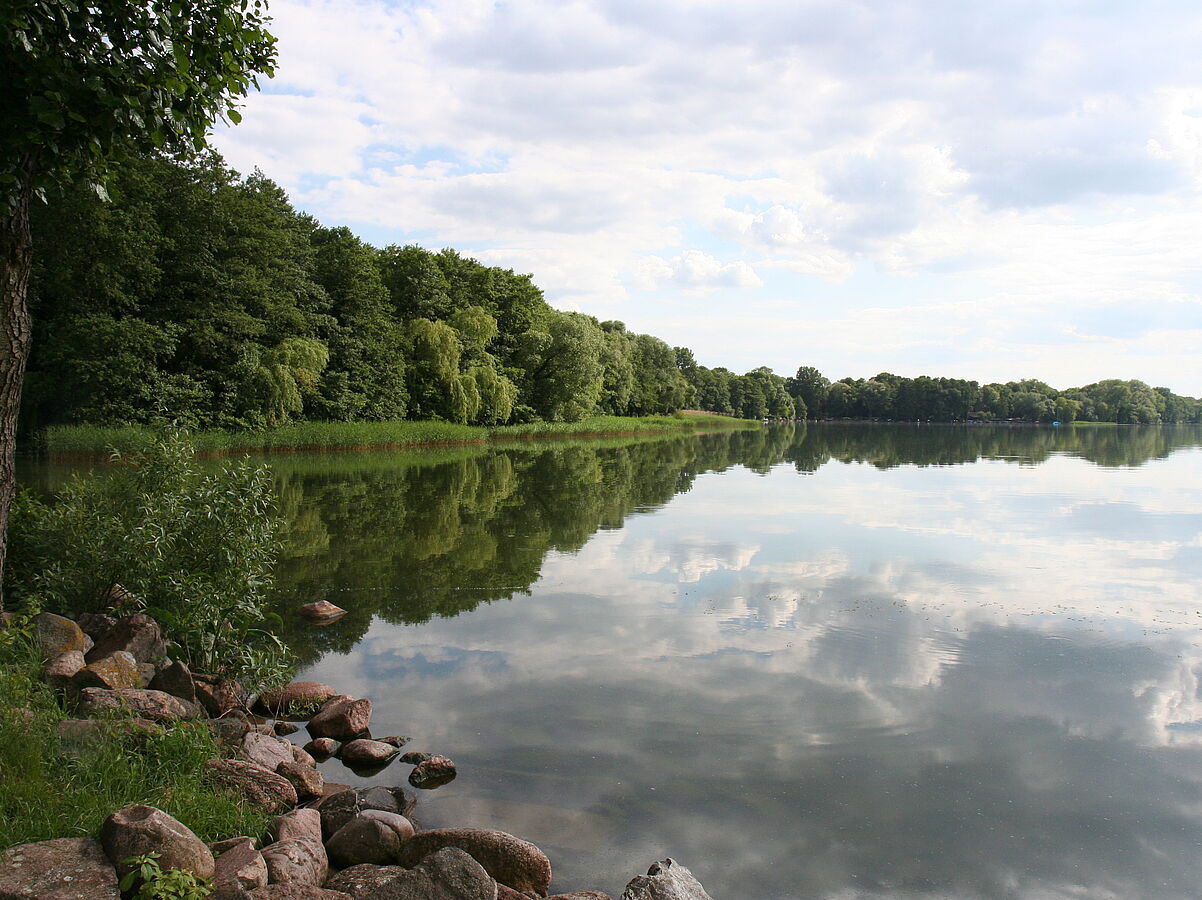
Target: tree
[83, 85]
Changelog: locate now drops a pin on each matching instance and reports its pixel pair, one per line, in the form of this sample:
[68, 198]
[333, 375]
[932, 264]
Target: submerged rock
[321, 611]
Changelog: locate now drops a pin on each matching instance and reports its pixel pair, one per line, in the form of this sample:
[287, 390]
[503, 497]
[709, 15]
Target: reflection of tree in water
[409, 536]
[889, 446]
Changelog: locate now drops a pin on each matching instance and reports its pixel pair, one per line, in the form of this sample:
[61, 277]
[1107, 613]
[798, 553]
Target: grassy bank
[50, 791]
[88, 440]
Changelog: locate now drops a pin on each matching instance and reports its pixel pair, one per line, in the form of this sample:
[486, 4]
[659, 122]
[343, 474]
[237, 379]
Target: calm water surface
[811, 662]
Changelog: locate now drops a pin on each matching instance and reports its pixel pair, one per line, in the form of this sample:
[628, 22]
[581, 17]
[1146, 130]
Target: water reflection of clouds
[931, 688]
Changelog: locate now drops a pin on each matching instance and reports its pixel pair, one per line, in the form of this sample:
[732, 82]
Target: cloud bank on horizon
[992, 191]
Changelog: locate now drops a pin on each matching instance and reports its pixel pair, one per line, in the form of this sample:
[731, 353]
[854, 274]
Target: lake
[823, 661]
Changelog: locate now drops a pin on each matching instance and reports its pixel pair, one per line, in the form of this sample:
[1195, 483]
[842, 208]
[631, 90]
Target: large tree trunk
[16, 331]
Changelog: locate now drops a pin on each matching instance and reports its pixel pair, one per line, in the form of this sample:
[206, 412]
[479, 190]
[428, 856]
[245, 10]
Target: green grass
[90, 440]
[48, 793]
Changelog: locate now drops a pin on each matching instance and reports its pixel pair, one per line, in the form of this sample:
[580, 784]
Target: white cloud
[846, 158]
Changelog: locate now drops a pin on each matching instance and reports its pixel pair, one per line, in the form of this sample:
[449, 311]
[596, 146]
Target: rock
[230, 730]
[78, 732]
[96, 625]
[62, 869]
[366, 753]
[665, 880]
[239, 867]
[298, 699]
[449, 874]
[402, 826]
[300, 756]
[268, 752]
[60, 670]
[153, 705]
[395, 739]
[296, 892]
[117, 672]
[412, 758]
[328, 790]
[57, 635]
[299, 823]
[283, 729]
[321, 611]
[322, 749]
[296, 861]
[262, 788]
[575, 895]
[139, 635]
[363, 840]
[341, 718]
[218, 697]
[306, 779]
[219, 847]
[136, 830]
[146, 673]
[339, 809]
[176, 680]
[432, 773]
[515, 863]
[508, 893]
[360, 880]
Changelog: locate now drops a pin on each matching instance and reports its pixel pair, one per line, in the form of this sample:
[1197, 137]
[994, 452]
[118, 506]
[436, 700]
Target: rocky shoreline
[327, 841]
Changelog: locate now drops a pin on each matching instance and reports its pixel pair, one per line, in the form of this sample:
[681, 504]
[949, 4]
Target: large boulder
[299, 823]
[139, 635]
[144, 704]
[340, 808]
[297, 699]
[216, 695]
[117, 672]
[363, 840]
[449, 874]
[305, 779]
[400, 824]
[240, 868]
[359, 881]
[176, 680]
[296, 861]
[62, 869]
[513, 862]
[665, 880]
[342, 718]
[262, 788]
[138, 830]
[60, 670]
[57, 635]
[268, 751]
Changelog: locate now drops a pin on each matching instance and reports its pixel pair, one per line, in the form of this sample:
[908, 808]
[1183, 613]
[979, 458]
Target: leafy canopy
[84, 82]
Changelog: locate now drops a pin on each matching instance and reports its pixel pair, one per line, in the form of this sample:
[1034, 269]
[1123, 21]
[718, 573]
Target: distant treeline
[892, 397]
[206, 297]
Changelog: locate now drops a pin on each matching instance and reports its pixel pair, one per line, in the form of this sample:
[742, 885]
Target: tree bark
[16, 331]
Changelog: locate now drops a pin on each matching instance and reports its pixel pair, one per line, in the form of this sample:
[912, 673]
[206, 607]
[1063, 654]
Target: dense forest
[194, 293]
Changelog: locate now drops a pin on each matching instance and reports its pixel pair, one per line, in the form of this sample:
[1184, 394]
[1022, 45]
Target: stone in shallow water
[364, 753]
[665, 880]
[432, 773]
[62, 869]
[342, 718]
[321, 611]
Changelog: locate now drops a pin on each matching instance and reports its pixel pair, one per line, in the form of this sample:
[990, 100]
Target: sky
[993, 190]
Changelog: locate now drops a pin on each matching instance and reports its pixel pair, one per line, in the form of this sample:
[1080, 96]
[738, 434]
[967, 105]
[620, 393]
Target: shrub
[196, 549]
